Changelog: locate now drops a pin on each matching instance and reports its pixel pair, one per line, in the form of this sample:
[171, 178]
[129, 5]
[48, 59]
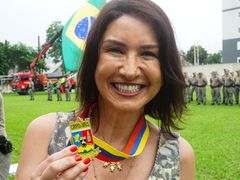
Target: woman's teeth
[126, 88]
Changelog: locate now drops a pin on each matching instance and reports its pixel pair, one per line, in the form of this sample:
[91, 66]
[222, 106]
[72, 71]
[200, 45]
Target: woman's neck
[114, 126]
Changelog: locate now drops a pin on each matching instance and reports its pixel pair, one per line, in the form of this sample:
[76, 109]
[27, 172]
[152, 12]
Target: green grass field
[213, 131]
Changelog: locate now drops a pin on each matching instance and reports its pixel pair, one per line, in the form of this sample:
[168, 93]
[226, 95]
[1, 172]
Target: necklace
[127, 173]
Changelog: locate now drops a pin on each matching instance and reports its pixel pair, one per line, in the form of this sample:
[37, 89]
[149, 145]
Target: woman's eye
[115, 50]
[149, 54]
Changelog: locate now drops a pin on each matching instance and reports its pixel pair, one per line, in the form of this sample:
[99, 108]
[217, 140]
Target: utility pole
[39, 44]
[197, 55]
[194, 55]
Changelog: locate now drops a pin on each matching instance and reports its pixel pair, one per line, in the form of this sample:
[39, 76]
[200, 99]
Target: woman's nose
[130, 68]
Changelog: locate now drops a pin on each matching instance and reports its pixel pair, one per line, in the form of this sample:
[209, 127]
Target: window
[238, 45]
[25, 78]
[238, 60]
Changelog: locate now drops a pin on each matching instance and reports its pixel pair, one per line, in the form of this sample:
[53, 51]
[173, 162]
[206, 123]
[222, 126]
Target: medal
[81, 136]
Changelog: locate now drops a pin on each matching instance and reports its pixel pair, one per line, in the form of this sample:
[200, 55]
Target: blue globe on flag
[83, 26]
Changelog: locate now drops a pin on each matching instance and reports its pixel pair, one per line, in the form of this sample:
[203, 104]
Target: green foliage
[55, 51]
[5, 63]
[17, 57]
[4, 67]
[202, 54]
[214, 58]
[22, 56]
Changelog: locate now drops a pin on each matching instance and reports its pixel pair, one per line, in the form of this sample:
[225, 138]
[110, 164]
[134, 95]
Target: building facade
[231, 31]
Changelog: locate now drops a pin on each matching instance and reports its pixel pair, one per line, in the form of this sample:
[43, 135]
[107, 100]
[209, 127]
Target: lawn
[213, 131]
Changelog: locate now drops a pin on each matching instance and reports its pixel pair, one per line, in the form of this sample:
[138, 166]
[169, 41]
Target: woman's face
[128, 72]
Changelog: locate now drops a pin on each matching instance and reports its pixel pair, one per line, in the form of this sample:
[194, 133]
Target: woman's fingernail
[87, 161]
[78, 158]
[85, 170]
[73, 148]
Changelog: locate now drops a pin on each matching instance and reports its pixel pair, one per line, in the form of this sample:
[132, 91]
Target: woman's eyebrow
[112, 41]
[119, 43]
[149, 46]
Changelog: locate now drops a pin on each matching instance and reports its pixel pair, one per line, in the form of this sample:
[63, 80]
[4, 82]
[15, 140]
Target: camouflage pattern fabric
[166, 166]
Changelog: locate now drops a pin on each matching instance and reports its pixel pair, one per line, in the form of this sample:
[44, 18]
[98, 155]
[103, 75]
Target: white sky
[194, 21]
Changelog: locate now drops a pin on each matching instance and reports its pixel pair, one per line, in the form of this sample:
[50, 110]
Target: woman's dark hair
[168, 105]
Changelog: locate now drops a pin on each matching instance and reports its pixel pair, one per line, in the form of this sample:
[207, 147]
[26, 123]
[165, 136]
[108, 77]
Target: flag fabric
[75, 33]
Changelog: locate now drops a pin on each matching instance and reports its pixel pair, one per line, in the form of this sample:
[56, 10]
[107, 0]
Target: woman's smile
[127, 89]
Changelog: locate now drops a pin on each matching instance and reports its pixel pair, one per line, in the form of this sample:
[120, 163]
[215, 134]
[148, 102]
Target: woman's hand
[65, 164]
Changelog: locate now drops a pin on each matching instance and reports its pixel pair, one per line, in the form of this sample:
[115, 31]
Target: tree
[202, 54]
[4, 66]
[55, 51]
[18, 55]
[214, 58]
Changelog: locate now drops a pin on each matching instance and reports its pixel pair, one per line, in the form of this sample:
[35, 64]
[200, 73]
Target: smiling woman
[130, 69]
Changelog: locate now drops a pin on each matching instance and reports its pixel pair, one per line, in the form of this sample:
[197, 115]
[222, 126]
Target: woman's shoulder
[43, 123]
[187, 159]
[185, 149]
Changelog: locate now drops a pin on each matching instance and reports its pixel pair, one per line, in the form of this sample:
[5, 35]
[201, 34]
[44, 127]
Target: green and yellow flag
[75, 33]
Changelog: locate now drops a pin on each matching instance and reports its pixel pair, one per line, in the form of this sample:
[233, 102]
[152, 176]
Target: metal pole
[194, 54]
[39, 44]
[198, 55]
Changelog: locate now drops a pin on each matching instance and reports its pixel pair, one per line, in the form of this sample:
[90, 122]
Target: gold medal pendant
[113, 166]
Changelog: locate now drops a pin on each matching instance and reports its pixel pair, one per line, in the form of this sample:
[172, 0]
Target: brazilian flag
[75, 33]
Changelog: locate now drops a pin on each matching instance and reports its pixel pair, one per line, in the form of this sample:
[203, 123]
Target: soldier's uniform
[233, 84]
[31, 90]
[201, 88]
[187, 97]
[58, 89]
[223, 88]
[49, 90]
[228, 82]
[193, 86]
[67, 86]
[237, 87]
[5, 159]
[215, 84]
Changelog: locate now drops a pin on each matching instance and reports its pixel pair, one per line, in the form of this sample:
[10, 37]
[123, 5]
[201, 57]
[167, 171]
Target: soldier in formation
[58, 89]
[187, 97]
[31, 90]
[49, 90]
[193, 85]
[237, 86]
[228, 83]
[201, 89]
[67, 86]
[215, 84]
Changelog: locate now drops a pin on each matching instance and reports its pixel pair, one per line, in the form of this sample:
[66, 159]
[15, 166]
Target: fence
[5, 84]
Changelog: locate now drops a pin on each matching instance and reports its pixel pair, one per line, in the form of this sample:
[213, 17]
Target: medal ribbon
[135, 145]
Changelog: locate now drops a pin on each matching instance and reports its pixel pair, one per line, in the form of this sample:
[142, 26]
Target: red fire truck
[21, 80]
